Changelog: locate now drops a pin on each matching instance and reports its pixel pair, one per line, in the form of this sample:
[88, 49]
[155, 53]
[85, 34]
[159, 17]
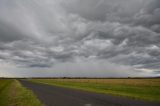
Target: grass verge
[12, 93]
[145, 89]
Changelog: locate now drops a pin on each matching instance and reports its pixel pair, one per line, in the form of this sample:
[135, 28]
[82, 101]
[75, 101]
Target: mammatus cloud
[96, 38]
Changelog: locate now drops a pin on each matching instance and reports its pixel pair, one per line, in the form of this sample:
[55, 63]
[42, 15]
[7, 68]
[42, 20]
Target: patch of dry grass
[14, 94]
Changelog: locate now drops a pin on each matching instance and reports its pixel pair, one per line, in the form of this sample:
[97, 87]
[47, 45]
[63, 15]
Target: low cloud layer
[93, 38]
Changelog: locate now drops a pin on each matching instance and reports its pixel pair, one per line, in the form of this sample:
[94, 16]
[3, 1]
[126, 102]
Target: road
[59, 96]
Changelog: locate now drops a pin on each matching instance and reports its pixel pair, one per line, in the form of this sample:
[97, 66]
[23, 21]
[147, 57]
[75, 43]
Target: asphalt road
[59, 96]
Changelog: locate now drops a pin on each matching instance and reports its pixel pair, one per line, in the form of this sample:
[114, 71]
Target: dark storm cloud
[103, 10]
[7, 30]
[61, 35]
[150, 14]
[39, 65]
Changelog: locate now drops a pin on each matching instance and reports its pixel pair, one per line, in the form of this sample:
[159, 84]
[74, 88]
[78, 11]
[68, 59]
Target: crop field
[145, 89]
[12, 93]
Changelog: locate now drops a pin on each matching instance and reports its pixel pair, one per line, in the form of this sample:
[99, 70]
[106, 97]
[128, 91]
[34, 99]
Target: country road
[58, 96]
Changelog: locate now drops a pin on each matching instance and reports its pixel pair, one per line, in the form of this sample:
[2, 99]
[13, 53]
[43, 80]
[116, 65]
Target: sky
[79, 38]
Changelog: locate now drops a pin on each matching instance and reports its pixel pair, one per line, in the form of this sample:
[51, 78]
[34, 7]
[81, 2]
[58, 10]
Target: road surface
[59, 96]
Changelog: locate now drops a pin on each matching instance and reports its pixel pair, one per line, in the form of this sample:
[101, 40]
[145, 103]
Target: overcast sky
[86, 38]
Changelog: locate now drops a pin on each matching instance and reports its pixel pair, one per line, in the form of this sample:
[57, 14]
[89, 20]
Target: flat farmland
[143, 89]
[79, 92]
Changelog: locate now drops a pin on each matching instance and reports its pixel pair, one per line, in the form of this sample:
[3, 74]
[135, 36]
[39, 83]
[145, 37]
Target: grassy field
[145, 89]
[12, 93]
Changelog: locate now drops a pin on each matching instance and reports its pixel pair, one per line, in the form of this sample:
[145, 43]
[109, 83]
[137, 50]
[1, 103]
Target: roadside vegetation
[12, 93]
[145, 89]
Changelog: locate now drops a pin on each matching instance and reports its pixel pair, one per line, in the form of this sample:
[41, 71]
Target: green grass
[145, 89]
[12, 93]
